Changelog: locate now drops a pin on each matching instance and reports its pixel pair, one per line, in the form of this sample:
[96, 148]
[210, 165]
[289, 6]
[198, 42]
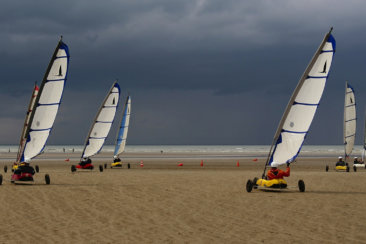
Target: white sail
[300, 111]
[349, 126]
[102, 123]
[123, 129]
[47, 103]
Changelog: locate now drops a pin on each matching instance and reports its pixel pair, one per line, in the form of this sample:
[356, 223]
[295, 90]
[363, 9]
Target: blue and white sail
[349, 125]
[47, 103]
[123, 129]
[364, 140]
[102, 122]
[300, 111]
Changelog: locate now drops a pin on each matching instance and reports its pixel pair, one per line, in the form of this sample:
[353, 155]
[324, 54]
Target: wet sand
[162, 202]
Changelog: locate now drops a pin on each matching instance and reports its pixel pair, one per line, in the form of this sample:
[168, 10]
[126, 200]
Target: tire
[37, 168]
[326, 168]
[5, 169]
[355, 168]
[347, 169]
[101, 168]
[105, 166]
[73, 168]
[47, 179]
[1, 179]
[249, 186]
[128, 165]
[301, 185]
[92, 167]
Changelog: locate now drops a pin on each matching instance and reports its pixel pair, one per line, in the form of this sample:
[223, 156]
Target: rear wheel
[92, 167]
[347, 169]
[47, 179]
[249, 186]
[326, 168]
[101, 168]
[73, 168]
[1, 179]
[128, 165]
[354, 168]
[105, 166]
[37, 169]
[5, 169]
[301, 185]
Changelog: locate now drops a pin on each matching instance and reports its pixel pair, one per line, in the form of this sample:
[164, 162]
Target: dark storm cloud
[205, 72]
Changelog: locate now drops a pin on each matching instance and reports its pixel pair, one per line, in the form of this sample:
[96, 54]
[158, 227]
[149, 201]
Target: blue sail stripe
[40, 129]
[294, 132]
[327, 51]
[350, 120]
[47, 104]
[61, 57]
[316, 77]
[350, 136]
[306, 104]
[55, 80]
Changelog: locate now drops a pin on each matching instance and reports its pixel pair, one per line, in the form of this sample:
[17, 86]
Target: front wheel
[354, 168]
[347, 169]
[249, 186]
[1, 179]
[105, 166]
[47, 179]
[301, 185]
[326, 168]
[5, 169]
[37, 168]
[73, 168]
[128, 165]
[101, 168]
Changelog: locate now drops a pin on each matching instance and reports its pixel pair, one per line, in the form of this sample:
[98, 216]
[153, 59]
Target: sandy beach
[164, 203]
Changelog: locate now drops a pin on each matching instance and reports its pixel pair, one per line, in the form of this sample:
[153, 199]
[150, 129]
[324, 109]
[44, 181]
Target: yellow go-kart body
[15, 166]
[275, 183]
[341, 167]
[116, 164]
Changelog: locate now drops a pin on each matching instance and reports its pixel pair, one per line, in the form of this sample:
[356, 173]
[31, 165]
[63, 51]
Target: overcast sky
[199, 72]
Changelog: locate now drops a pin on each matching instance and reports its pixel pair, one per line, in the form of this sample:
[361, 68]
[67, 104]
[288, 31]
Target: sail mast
[344, 123]
[31, 107]
[364, 138]
[294, 95]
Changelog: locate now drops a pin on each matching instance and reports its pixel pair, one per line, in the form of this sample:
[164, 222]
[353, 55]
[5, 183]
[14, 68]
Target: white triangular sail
[46, 105]
[349, 126]
[102, 122]
[300, 111]
[123, 129]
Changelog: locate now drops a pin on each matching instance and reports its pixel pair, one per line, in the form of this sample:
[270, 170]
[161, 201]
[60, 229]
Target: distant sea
[238, 150]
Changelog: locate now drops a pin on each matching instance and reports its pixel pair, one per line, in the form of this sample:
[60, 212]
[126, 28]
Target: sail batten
[123, 129]
[301, 108]
[349, 125]
[46, 104]
[102, 123]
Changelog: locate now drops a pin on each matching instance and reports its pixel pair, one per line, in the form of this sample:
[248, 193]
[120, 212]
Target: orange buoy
[237, 164]
[67, 160]
[201, 163]
[142, 164]
[255, 160]
[181, 164]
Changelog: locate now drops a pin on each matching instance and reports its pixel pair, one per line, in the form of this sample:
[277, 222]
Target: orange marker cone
[181, 164]
[237, 164]
[201, 163]
[255, 160]
[142, 164]
[67, 160]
